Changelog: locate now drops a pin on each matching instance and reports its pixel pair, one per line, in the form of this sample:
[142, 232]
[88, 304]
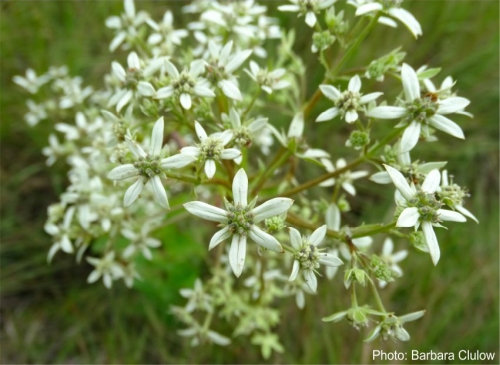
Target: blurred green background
[50, 315]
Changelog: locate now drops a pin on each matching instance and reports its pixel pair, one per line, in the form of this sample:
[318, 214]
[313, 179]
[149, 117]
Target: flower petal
[431, 242]
[206, 211]
[185, 100]
[219, 236]
[408, 217]
[411, 85]
[452, 105]
[157, 138]
[448, 126]
[400, 182]
[240, 188]
[177, 161]
[311, 280]
[210, 168]
[318, 235]
[133, 191]
[295, 238]
[354, 84]
[450, 215]
[230, 89]
[387, 112]
[271, 208]
[410, 137]
[431, 182]
[123, 172]
[237, 253]
[159, 192]
[264, 239]
[331, 92]
[295, 270]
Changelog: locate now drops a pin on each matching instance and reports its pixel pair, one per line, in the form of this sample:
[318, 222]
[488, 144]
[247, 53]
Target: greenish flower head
[421, 109]
[148, 166]
[359, 139]
[323, 40]
[132, 78]
[427, 205]
[275, 224]
[184, 84]
[453, 194]
[388, 4]
[380, 268]
[240, 218]
[350, 100]
[211, 149]
[307, 255]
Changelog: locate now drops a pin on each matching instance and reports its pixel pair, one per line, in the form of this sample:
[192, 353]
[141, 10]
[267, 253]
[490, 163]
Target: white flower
[105, 267]
[444, 91]
[420, 112]
[307, 256]
[183, 86]
[221, 66]
[61, 234]
[392, 327]
[452, 195]
[148, 167]
[244, 134]
[140, 241]
[132, 80]
[31, 82]
[211, 149]
[165, 32]
[240, 220]
[391, 8]
[54, 150]
[347, 103]
[126, 24]
[392, 259]
[267, 80]
[197, 298]
[345, 179]
[309, 8]
[421, 208]
[36, 113]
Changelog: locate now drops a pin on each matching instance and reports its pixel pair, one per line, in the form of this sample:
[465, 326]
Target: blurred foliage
[50, 315]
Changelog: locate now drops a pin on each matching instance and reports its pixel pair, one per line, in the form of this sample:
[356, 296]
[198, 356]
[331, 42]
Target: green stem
[380, 305]
[250, 106]
[280, 158]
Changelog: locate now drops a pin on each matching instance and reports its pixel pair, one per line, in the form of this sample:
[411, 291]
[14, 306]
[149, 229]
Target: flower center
[184, 83]
[348, 101]
[240, 220]
[132, 78]
[308, 256]
[453, 194]
[308, 5]
[211, 149]
[427, 205]
[421, 109]
[216, 72]
[148, 166]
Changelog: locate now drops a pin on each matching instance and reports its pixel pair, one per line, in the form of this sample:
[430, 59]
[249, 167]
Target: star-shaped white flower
[165, 32]
[391, 8]
[148, 167]
[240, 220]
[267, 80]
[309, 8]
[105, 267]
[392, 259]
[183, 86]
[345, 179]
[211, 149]
[421, 208]
[347, 103]
[307, 256]
[126, 24]
[418, 113]
[453, 195]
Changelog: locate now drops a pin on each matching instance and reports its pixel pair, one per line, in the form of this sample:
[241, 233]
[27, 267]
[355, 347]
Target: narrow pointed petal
[448, 126]
[410, 137]
[431, 242]
[405, 17]
[159, 192]
[311, 280]
[219, 236]
[133, 192]
[295, 270]
[177, 161]
[310, 19]
[157, 137]
[368, 8]
[164, 92]
[452, 105]
[129, 8]
[271, 208]
[203, 91]
[399, 180]
[351, 116]
[450, 215]
[171, 70]
[289, 7]
[330, 92]
[133, 61]
[381, 177]
[388, 247]
[117, 40]
[190, 151]
[411, 85]
[237, 253]
[330, 260]
[206, 211]
[230, 154]
[264, 239]
[66, 245]
[124, 100]
[210, 168]
[118, 71]
[135, 148]
[240, 188]
[365, 99]
[123, 172]
[200, 131]
[354, 84]
[333, 217]
[145, 88]
[387, 112]
[318, 235]
[237, 60]
[465, 212]
[408, 217]
[431, 182]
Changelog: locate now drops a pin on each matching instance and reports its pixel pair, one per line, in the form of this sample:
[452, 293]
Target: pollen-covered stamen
[453, 194]
[240, 220]
[427, 205]
[348, 101]
[148, 166]
[216, 72]
[211, 149]
[120, 129]
[184, 84]
[308, 255]
[242, 137]
[421, 109]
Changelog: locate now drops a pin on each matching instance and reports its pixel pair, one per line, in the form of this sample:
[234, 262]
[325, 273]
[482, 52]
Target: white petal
[155, 38]
[271, 208]
[185, 101]
[296, 126]
[295, 270]
[408, 217]
[210, 168]
[452, 105]
[237, 60]
[368, 8]
[465, 212]
[206, 211]
[226, 137]
[219, 236]
[289, 7]
[311, 280]
[230, 154]
[410, 137]
[431, 241]
[230, 89]
[157, 137]
[129, 8]
[365, 99]
[124, 100]
[240, 188]
[431, 182]
[133, 61]
[448, 126]
[330, 260]
[145, 88]
[351, 116]
[93, 277]
[135, 148]
[237, 253]
[123, 172]
[330, 92]
[381, 177]
[171, 69]
[332, 217]
[310, 19]
[203, 91]
[118, 71]
[114, 22]
[196, 67]
[66, 245]
[354, 84]
[264, 239]
[190, 151]
[318, 235]
[399, 180]
[411, 85]
[164, 92]
[295, 238]
[133, 192]
[387, 112]
[407, 19]
[225, 52]
[159, 192]
[177, 161]
[117, 40]
[218, 339]
[449, 215]
[388, 247]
